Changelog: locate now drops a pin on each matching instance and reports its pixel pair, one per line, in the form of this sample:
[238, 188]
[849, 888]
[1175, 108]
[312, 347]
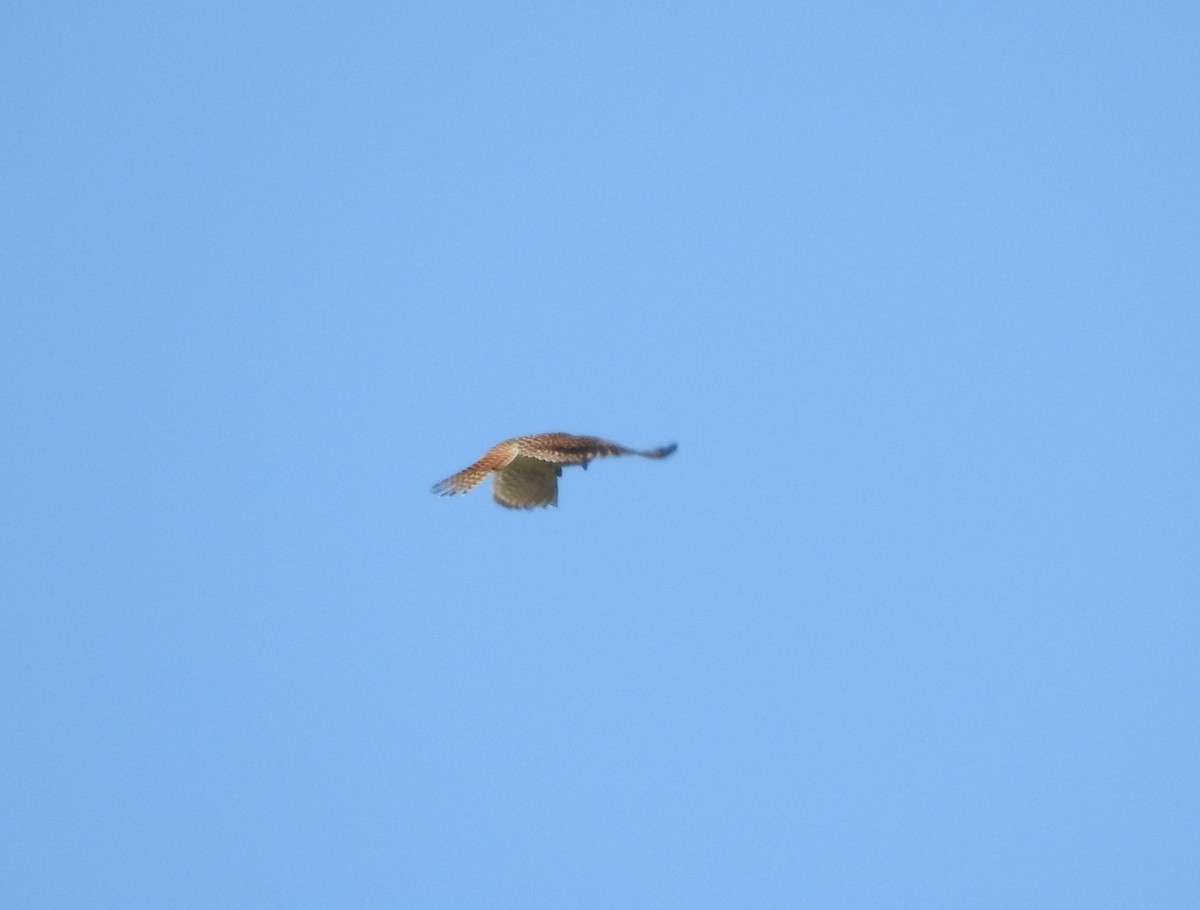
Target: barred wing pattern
[526, 469]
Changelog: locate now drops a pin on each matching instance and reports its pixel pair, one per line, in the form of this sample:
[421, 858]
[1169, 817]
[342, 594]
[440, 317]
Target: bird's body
[526, 469]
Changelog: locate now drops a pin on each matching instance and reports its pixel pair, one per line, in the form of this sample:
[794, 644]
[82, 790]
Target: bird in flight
[525, 469]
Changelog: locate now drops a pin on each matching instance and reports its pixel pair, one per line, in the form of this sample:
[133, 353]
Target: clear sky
[910, 620]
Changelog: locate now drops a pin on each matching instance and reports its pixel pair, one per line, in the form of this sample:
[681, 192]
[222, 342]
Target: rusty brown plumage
[526, 469]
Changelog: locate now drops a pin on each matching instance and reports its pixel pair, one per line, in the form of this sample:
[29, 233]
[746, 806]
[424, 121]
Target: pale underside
[526, 483]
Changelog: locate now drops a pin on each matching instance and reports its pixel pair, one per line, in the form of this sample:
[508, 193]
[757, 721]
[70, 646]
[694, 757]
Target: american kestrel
[526, 469]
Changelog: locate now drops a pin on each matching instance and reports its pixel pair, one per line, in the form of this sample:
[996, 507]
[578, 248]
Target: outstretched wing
[496, 459]
[564, 448]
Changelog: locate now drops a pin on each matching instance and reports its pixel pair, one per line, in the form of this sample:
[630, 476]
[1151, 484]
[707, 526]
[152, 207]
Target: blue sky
[909, 620]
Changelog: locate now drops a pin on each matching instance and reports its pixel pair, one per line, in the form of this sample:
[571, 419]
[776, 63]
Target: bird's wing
[496, 459]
